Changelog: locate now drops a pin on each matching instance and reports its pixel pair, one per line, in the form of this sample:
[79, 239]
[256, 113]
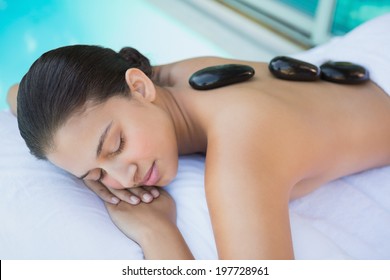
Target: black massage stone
[220, 75]
[344, 72]
[288, 68]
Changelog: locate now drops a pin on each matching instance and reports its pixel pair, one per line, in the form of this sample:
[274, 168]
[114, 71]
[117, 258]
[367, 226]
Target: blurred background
[169, 30]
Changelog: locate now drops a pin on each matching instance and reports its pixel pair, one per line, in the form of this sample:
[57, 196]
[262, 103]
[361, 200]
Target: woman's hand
[114, 196]
[138, 221]
[152, 226]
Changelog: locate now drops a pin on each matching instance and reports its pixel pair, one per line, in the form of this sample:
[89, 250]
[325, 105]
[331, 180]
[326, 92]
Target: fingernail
[115, 200]
[147, 197]
[134, 199]
[155, 193]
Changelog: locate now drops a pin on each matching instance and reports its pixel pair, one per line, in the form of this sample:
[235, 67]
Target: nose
[120, 176]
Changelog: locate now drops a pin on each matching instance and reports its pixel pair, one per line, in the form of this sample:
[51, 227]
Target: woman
[118, 123]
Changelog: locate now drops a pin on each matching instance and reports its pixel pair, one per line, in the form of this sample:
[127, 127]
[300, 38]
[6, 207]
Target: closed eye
[117, 152]
[121, 146]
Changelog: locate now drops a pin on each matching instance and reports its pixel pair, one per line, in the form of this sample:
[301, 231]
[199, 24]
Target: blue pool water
[30, 28]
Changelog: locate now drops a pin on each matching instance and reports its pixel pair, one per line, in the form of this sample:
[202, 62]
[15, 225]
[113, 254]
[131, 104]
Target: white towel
[368, 45]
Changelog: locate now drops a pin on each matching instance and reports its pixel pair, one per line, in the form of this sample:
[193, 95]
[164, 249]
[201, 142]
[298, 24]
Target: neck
[189, 134]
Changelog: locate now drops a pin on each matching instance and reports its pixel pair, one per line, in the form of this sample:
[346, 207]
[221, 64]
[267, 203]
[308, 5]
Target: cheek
[112, 183]
[141, 146]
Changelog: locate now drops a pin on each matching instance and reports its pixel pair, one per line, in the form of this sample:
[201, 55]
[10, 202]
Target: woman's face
[123, 143]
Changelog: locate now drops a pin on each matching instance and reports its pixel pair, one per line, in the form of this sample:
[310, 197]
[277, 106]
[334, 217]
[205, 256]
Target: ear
[139, 82]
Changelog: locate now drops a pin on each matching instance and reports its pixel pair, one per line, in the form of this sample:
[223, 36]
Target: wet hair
[60, 83]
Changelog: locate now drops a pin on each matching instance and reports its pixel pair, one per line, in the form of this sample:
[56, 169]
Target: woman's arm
[152, 226]
[251, 167]
[249, 213]
[11, 98]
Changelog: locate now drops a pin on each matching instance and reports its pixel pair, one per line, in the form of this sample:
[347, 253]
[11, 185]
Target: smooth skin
[266, 141]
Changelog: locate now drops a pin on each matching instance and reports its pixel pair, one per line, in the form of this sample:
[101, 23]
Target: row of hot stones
[281, 67]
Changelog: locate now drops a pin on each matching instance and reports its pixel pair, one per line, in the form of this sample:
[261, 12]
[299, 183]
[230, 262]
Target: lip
[152, 176]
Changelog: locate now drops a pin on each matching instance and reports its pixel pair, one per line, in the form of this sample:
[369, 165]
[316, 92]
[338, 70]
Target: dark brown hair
[60, 83]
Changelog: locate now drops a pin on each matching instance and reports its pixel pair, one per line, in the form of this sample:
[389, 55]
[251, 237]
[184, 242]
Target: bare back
[342, 129]
[269, 141]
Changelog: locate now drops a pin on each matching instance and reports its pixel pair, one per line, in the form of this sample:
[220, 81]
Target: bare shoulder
[264, 139]
[261, 145]
[178, 73]
[12, 97]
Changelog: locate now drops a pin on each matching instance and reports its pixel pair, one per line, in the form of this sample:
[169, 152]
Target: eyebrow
[100, 145]
[101, 140]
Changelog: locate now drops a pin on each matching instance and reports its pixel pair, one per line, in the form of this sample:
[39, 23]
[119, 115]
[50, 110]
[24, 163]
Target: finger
[126, 195]
[153, 191]
[142, 194]
[102, 191]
